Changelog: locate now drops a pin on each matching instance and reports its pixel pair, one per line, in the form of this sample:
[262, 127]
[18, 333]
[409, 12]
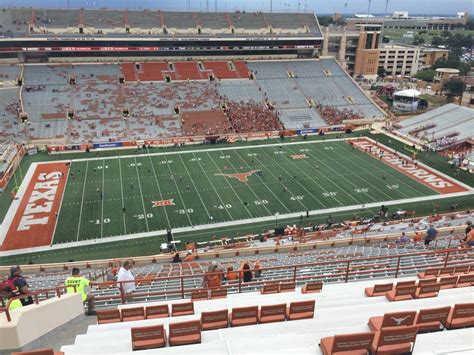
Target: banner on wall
[107, 145]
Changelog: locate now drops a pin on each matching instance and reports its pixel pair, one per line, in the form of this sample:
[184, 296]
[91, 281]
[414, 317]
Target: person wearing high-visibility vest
[80, 284]
[6, 294]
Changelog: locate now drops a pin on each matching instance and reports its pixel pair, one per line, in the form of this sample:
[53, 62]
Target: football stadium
[198, 181]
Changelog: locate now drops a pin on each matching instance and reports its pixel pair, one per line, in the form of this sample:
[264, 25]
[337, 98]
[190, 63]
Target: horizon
[322, 7]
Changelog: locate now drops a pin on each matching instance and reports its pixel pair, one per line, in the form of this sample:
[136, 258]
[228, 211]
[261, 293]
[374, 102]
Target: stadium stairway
[340, 309]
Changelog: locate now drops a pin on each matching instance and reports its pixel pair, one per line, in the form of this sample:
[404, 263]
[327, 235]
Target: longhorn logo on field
[163, 203]
[242, 177]
[298, 156]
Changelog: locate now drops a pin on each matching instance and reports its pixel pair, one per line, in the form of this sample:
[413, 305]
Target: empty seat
[429, 273]
[394, 319]
[406, 283]
[148, 337]
[394, 340]
[287, 287]
[312, 287]
[184, 333]
[347, 343]
[429, 281]
[130, 314]
[426, 291]
[272, 313]
[244, 316]
[446, 271]
[300, 310]
[38, 352]
[447, 282]
[461, 270]
[272, 288]
[218, 293]
[108, 316]
[465, 280]
[158, 311]
[402, 293]
[182, 309]
[461, 316]
[215, 320]
[378, 290]
[433, 319]
[199, 295]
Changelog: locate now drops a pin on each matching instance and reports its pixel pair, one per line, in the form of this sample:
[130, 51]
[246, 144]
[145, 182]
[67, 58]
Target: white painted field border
[234, 223]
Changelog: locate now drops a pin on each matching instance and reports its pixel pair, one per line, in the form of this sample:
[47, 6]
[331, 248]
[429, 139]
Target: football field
[151, 192]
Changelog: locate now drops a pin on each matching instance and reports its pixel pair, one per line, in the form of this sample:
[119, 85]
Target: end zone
[32, 218]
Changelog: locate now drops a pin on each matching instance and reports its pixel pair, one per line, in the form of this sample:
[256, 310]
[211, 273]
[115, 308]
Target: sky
[426, 7]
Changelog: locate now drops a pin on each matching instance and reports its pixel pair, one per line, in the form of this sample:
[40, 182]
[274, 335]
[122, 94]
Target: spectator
[470, 238]
[6, 293]
[431, 234]
[418, 237]
[247, 274]
[124, 274]
[257, 266]
[231, 274]
[212, 279]
[468, 228]
[404, 238]
[80, 284]
[20, 284]
[189, 257]
[176, 258]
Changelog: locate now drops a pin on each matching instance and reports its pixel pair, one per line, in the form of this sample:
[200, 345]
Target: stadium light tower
[368, 12]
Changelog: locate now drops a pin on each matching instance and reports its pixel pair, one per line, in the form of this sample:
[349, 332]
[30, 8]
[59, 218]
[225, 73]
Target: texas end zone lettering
[35, 218]
[40, 201]
[422, 174]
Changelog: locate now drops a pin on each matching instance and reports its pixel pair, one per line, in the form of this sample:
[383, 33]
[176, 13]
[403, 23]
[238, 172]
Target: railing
[350, 268]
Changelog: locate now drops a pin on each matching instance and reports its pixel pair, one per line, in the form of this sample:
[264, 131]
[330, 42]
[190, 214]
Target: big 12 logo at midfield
[162, 203]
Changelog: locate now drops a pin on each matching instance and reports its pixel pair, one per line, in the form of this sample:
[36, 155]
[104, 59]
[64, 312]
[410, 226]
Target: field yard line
[82, 200]
[123, 202]
[141, 194]
[179, 192]
[230, 185]
[60, 205]
[103, 197]
[340, 188]
[192, 181]
[233, 223]
[258, 198]
[401, 182]
[271, 191]
[314, 196]
[159, 190]
[210, 183]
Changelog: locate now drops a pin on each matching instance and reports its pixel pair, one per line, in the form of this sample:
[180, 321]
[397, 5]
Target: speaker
[169, 235]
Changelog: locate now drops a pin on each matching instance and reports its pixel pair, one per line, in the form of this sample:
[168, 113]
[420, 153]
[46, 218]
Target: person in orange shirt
[189, 257]
[231, 274]
[470, 238]
[212, 279]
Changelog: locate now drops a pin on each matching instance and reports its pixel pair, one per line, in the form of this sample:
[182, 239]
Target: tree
[425, 75]
[454, 87]
[452, 61]
[436, 41]
[385, 39]
[418, 40]
[381, 71]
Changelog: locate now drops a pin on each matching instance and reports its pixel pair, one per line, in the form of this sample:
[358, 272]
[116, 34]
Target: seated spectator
[6, 293]
[20, 285]
[257, 266]
[470, 238]
[212, 279]
[418, 237]
[124, 274]
[80, 284]
[231, 274]
[189, 257]
[246, 274]
[176, 258]
[404, 239]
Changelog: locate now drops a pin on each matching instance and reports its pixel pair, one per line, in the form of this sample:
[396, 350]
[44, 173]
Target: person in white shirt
[125, 274]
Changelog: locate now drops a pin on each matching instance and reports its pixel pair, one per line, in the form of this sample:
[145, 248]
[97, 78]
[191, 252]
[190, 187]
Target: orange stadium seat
[182, 309]
[158, 311]
[300, 310]
[429, 273]
[357, 343]
[448, 282]
[218, 293]
[406, 283]
[108, 316]
[271, 288]
[394, 340]
[461, 270]
[394, 319]
[427, 291]
[461, 316]
[287, 287]
[272, 313]
[148, 337]
[199, 295]
[402, 293]
[38, 352]
[433, 319]
[130, 314]
[185, 333]
[446, 271]
[378, 290]
[465, 280]
[429, 281]
[214, 320]
[244, 316]
[312, 287]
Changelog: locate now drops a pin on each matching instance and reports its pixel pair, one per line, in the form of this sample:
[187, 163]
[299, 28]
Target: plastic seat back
[108, 316]
[134, 313]
[215, 319]
[273, 313]
[199, 295]
[271, 288]
[148, 337]
[218, 293]
[158, 311]
[182, 309]
[301, 310]
[183, 333]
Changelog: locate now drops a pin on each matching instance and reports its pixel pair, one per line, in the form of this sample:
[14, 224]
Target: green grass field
[332, 175]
